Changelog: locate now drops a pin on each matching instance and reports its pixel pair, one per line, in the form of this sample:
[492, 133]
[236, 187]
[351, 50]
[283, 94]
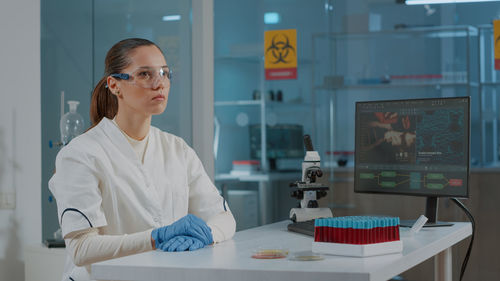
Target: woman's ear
[113, 85]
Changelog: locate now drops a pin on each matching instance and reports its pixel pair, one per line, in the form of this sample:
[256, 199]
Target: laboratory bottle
[71, 123]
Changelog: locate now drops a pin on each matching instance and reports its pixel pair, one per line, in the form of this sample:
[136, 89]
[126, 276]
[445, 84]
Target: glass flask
[71, 123]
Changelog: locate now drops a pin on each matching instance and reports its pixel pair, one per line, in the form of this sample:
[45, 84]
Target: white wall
[20, 132]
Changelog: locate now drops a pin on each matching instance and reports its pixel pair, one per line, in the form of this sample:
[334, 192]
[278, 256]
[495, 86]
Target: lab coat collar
[121, 142]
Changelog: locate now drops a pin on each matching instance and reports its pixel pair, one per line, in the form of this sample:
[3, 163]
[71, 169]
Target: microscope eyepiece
[308, 143]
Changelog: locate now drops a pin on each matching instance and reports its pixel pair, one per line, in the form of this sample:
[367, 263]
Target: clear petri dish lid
[306, 256]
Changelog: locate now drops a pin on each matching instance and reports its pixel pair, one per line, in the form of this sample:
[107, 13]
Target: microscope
[308, 191]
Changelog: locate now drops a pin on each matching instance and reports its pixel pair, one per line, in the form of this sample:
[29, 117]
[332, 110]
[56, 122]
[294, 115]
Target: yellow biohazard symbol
[280, 54]
[280, 49]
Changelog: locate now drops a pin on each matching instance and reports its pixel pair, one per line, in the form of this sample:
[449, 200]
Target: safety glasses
[146, 77]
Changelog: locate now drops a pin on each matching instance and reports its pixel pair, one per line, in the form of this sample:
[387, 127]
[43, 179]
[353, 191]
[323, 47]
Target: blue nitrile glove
[182, 243]
[189, 225]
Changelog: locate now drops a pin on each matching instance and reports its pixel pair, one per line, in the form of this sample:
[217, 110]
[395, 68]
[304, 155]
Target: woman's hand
[182, 243]
[189, 225]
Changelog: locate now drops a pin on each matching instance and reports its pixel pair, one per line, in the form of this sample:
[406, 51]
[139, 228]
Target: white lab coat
[100, 182]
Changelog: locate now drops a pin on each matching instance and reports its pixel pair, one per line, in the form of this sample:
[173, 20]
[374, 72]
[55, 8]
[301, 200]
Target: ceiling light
[171, 18]
[424, 2]
[271, 18]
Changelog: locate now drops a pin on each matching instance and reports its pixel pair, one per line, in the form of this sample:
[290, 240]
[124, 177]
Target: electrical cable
[471, 218]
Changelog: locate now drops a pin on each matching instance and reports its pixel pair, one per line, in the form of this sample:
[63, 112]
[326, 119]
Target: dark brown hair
[103, 102]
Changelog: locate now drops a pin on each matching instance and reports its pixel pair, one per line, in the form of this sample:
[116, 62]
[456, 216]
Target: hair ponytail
[103, 103]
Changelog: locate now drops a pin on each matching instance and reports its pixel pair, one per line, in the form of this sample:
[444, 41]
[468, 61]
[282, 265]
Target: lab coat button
[156, 220]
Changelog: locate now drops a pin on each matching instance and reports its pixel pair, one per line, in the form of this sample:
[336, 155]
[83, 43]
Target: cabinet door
[256, 118]
[259, 123]
[168, 24]
[66, 65]
[75, 39]
[390, 64]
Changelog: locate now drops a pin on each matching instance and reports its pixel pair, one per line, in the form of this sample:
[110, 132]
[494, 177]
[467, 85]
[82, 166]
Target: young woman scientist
[125, 187]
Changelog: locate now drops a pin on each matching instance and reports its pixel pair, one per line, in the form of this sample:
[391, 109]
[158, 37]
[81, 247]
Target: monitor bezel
[422, 194]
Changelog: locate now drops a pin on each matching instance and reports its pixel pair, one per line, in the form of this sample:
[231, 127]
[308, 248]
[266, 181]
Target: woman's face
[142, 98]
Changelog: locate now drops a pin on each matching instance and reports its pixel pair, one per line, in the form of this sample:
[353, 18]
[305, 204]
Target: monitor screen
[283, 141]
[413, 147]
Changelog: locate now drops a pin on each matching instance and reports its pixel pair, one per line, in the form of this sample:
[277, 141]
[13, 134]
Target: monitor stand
[431, 209]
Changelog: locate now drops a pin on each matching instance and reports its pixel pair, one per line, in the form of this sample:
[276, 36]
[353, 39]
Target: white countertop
[232, 260]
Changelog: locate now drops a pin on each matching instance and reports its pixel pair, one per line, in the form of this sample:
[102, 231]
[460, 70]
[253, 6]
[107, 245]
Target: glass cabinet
[259, 123]
[73, 51]
[488, 101]
[259, 126]
[258, 120]
[402, 63]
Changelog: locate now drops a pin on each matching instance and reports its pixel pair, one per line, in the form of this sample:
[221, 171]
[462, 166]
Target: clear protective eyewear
[146, 77]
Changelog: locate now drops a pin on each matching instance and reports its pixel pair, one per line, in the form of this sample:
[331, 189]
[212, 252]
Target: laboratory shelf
[240, 58]
[270, 104]
[259, 177]
[390, 85]
[455, 31]
[237, 102]
[286, 104]
[490, 83]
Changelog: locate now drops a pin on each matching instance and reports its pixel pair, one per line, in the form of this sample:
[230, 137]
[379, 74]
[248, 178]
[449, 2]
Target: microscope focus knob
[297, 194]
[319, 173]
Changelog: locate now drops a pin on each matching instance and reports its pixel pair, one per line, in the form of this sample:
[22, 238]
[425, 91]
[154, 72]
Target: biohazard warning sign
[496, 37]
[280, 54]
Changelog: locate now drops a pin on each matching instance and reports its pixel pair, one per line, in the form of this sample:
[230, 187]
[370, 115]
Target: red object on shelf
[245, 167]
[246, 162]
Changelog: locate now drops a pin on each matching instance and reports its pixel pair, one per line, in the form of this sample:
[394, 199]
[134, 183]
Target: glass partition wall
[348, 51]
[259, 123]
[75, 39]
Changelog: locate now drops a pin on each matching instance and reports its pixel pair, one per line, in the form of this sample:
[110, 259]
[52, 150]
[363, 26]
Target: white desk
[232, 260]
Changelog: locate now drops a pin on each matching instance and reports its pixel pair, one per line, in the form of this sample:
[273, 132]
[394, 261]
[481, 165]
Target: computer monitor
[414, 147]
[284, 146]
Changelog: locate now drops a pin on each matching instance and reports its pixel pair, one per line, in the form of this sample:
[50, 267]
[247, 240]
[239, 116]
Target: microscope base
[305, 214]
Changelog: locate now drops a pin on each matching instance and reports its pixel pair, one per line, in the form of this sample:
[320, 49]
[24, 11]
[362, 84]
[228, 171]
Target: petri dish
[270, 253]
[306, 256]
